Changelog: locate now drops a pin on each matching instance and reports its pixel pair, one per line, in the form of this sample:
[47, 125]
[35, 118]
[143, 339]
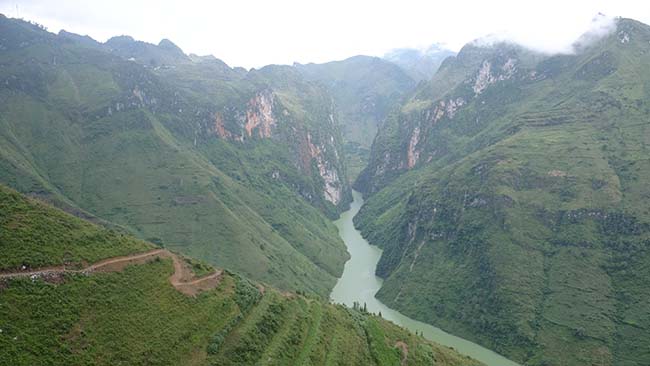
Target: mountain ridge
[420, 64]
[205, 157]
[507, 197]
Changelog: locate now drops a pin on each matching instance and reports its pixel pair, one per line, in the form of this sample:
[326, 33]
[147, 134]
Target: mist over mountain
[420, 64]
[508, 196]
[159, 207]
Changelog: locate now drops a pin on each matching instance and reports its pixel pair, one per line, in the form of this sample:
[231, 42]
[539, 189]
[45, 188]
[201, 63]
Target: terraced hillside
[179, 150]
[135, 314]
[510, 197]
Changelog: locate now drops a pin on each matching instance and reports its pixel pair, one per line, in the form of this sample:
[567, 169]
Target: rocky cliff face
[316, 152]
[510, 205]
[410, 132]
[306, 124]
[364, 90]
[242, 169]
[256, 121]
[259, 115]
[326, 170]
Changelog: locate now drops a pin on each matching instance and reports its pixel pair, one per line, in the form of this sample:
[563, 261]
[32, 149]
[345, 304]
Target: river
[359, 283]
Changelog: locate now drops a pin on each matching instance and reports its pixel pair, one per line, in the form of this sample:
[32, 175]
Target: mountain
[509, 195]
[243, 170]
[73, 293]
[421, 65]
[364, 89]
[166, 53]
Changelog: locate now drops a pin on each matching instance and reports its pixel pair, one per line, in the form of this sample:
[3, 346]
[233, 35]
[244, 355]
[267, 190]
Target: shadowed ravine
[359, 283]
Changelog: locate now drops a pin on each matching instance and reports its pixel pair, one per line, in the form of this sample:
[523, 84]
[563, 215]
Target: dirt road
[182, 279]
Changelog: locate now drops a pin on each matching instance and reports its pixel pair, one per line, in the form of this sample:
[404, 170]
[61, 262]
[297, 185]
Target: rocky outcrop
[220, 128]
[412, 153]
[414, 128]
[259, 115]
[315, 149]
[333, 189]
[256, 120]
[485, 77]
[446, 108]
[508, 206]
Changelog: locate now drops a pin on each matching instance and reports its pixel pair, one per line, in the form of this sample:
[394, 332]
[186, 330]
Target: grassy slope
[530, 232]
[136, 317]
[36, 235]
[137, 165]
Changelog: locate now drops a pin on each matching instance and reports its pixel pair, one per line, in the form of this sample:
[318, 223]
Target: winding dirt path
[182, 279]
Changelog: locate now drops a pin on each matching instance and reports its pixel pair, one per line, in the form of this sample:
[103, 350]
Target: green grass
[136, 317]
[524, 225]
[100, 319]
[34, 235]
[137, 148]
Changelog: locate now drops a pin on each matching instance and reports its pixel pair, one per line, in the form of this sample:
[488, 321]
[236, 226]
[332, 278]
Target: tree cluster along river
[359, 283]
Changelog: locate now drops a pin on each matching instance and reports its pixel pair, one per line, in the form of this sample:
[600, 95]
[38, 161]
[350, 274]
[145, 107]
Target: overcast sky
[255, 33]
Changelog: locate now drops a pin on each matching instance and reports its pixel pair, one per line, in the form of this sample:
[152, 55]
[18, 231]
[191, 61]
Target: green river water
[359, 283]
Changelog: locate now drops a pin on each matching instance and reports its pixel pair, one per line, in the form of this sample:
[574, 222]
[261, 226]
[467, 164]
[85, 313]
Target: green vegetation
[161, 148]
[34, 235]
[523, 222]
[136, 317]
[364, 90]
[131, 318]
[287, 330]
[509, 194]
[357, 158]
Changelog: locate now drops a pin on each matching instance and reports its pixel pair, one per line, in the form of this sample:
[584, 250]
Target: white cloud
[254, 33]
[600, 26]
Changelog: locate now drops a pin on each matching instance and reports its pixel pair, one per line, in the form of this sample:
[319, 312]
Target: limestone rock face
[511, 207]
[259, 115]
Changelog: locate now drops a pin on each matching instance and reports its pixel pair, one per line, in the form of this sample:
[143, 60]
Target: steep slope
[239, 169]
[364, 89]
[136, 315]
[421, 65]
[509, 195]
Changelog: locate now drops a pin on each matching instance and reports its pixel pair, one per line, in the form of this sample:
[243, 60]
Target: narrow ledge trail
[182, 279]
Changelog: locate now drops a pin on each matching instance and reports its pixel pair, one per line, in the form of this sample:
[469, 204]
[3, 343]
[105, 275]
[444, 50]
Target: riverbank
[359, 283]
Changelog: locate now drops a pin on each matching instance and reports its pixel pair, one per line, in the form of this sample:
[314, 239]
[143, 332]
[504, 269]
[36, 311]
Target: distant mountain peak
[165, 53]
[169, 45]
[120, 39]
[420, 64]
